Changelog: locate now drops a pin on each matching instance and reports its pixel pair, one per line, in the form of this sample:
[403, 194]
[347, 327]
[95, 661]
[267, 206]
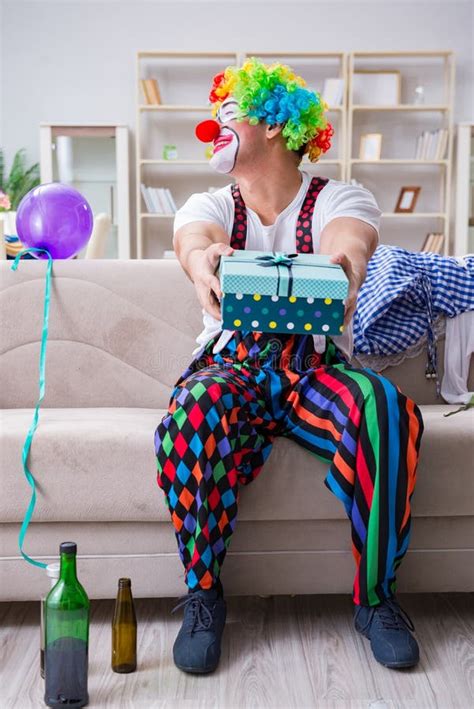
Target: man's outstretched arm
[198, 247]
[351, 243]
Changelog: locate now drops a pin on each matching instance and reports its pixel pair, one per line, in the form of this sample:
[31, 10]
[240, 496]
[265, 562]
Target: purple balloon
[55, 217]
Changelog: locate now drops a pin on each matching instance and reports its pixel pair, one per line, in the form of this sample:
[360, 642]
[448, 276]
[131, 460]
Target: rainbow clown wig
[275, 94]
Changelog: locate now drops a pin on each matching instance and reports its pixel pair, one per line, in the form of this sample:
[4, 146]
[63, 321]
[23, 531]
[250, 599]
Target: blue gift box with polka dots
[273, 291]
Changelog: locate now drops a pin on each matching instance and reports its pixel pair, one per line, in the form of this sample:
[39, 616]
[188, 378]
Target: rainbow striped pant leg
[370, 432]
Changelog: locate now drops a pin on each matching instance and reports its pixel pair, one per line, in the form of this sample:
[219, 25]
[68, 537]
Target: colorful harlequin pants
[223, 415]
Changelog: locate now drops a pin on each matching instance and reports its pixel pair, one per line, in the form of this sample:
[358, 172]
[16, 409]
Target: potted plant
[12, 189]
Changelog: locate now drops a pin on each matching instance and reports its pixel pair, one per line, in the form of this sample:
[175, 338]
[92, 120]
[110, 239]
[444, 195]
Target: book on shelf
[431, 144]
[438, 244]
[443, 145]
[158, 200]
[333, 91]
[171, 201]
[144, 89]
[151, 91]
[433, 242]
[146, 198]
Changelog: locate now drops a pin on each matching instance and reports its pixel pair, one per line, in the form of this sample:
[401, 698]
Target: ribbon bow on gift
[279, 258]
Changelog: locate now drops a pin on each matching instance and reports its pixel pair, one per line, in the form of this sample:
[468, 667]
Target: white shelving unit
[99, 171]
[464, 242]
[185, 78]
[415, 67]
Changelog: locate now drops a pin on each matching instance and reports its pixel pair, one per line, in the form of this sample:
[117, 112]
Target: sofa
[120, 334]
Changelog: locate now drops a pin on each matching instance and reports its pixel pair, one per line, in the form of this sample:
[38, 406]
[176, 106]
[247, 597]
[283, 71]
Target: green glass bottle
[124, 630]
[66, 622]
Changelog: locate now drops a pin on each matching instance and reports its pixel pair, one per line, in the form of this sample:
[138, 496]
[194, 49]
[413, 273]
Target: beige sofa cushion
[98, 464]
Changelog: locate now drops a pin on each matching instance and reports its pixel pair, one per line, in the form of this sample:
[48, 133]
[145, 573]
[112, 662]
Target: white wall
[74, 60]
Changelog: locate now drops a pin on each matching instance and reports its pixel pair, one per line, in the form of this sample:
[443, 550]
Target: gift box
[280, 292]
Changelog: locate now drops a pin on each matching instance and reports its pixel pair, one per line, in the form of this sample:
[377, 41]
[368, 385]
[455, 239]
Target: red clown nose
[207, 131]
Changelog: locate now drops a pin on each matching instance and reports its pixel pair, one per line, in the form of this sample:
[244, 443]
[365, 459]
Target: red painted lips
[221, 142]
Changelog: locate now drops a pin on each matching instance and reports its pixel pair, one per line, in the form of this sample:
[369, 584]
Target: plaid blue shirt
[402, 295]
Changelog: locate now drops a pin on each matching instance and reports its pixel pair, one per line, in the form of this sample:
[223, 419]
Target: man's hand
[203, 264]
[355, 282]
[350, 242]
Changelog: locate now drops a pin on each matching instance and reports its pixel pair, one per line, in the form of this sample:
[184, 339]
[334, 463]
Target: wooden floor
[278, 651]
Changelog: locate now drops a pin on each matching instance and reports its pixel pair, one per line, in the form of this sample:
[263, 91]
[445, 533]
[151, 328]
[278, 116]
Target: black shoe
[197, 647]
[388, 626]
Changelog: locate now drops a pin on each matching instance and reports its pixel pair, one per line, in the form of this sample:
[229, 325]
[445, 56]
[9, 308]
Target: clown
[243, 388]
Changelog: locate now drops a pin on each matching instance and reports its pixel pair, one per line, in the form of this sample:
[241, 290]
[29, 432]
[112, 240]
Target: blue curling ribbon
[29, 438]
[278, 259]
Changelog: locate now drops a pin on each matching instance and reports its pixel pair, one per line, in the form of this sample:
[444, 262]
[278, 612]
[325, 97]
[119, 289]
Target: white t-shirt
[336, 199]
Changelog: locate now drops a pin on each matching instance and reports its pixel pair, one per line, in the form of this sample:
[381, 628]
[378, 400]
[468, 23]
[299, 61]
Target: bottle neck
[124, 588]
[124, 594]
[68, 568]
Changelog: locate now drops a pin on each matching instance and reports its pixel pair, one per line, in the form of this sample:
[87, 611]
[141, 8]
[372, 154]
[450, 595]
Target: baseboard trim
[244, 573]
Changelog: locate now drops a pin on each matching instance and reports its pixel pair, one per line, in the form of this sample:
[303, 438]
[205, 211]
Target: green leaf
[30, 180]
[20, 181]
[17, 170]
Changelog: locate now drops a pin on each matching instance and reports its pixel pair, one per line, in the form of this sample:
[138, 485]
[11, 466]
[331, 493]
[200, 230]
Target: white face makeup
[228, 111]
[226, 145]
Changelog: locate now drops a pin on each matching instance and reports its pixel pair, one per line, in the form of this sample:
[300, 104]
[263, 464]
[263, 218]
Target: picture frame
[374, 87]
[370, 146]
[407, 199]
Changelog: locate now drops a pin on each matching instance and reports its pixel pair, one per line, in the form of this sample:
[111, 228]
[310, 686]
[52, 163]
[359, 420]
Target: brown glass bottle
[124, 630]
